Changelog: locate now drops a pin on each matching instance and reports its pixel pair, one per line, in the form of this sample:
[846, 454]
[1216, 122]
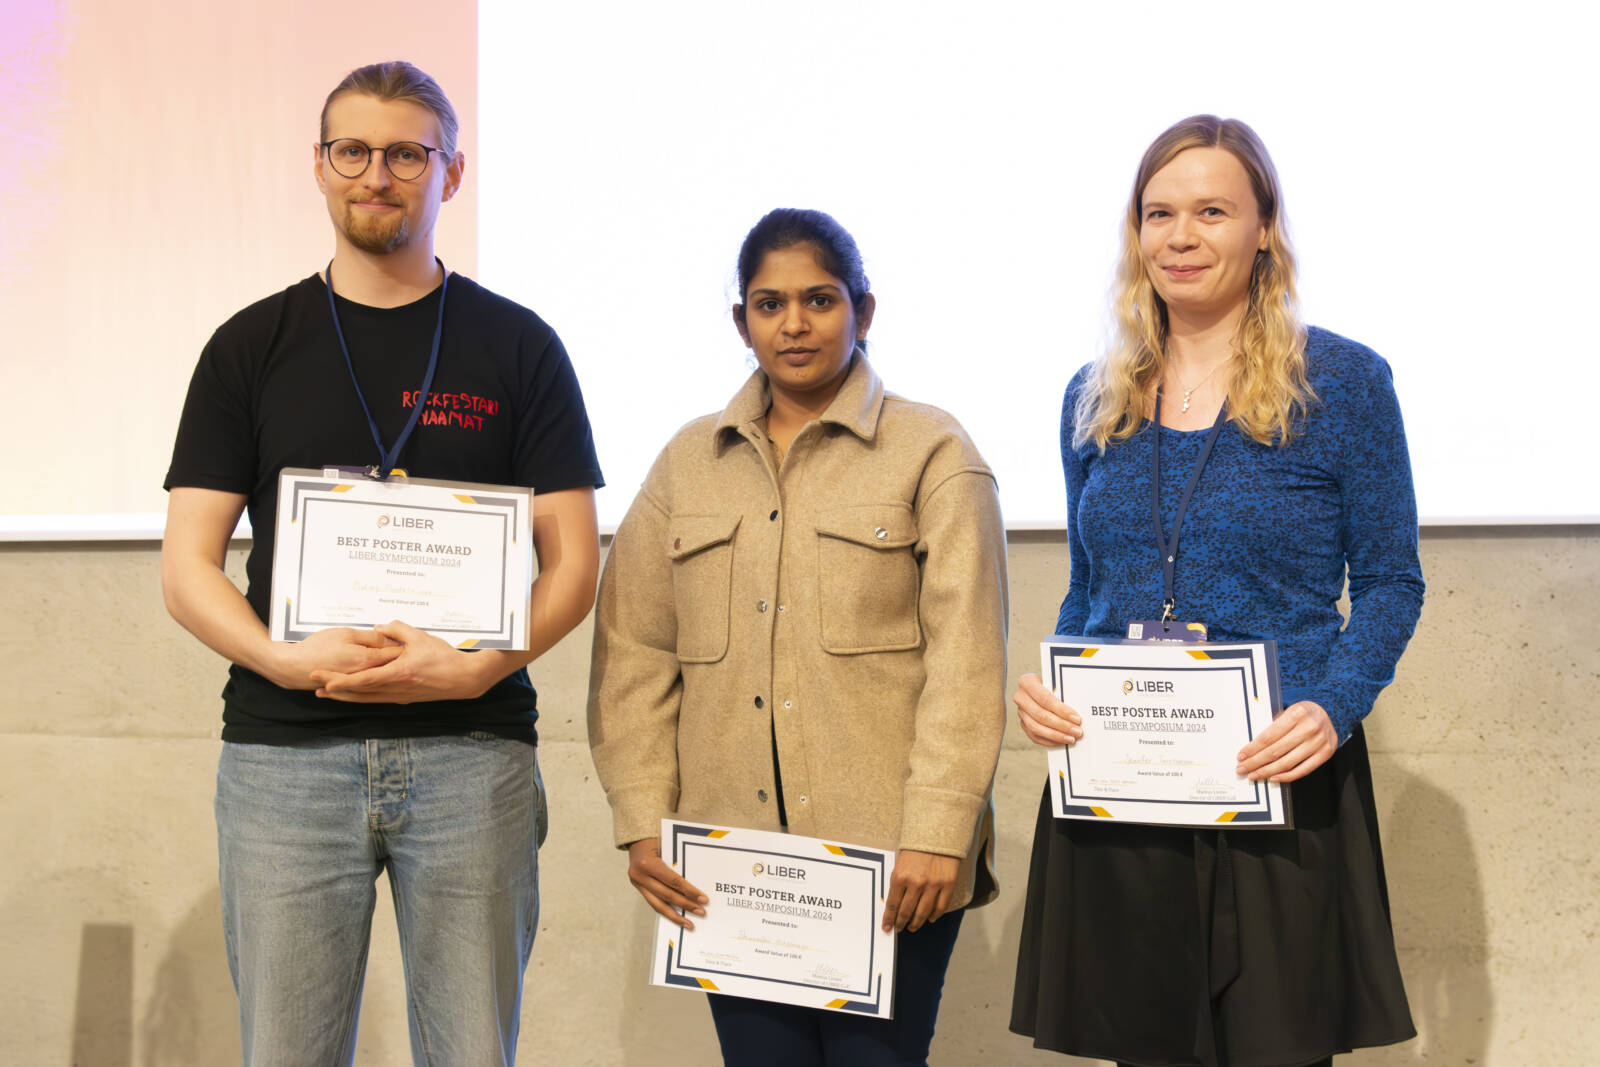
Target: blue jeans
[302, 832]
[759, 1032]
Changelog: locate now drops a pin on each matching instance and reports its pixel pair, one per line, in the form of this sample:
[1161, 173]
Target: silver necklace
[1189, 390]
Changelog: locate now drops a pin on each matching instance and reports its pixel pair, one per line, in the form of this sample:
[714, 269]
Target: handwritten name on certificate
[453, 559]
[791, 919]
[1163, 724]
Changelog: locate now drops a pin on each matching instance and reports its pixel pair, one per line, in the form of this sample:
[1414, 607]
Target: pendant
[1186, 395]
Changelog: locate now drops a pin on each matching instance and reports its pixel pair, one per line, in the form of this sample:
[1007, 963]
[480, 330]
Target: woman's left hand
[1297, 743]
[919, 890]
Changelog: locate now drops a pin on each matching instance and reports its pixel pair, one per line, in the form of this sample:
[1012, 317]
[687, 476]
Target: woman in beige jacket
[802, 626]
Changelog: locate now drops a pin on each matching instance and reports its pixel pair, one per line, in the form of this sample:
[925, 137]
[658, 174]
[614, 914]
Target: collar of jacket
[856, 406]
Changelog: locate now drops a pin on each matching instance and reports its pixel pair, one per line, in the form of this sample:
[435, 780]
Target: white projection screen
[1435, 157]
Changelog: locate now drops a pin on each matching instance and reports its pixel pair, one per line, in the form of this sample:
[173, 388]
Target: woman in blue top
[1159, 946]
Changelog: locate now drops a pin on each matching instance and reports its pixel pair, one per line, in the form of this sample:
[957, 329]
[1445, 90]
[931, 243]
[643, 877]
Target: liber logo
[409, 522]
[778, 870]
[1127, 686]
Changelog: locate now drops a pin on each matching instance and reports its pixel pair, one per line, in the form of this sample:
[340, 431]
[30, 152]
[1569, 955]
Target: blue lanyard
[1169, 547]
[387, 456]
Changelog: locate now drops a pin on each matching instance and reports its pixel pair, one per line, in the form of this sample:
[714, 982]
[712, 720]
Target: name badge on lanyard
[1168, 627]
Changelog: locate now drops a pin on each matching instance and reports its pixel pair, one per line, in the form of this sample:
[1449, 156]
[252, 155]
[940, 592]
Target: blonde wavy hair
[1269, 393]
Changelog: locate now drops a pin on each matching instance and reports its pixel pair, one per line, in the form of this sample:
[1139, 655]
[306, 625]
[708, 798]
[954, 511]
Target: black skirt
[1159, 947]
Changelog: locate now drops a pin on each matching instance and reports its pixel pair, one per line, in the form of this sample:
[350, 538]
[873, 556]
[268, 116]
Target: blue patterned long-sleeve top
[1268, 535]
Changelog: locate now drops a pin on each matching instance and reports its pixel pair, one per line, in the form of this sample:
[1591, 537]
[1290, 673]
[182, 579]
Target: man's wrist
[275, 663]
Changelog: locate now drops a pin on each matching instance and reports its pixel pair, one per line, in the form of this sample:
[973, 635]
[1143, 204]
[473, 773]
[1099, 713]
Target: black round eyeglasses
[350, 158]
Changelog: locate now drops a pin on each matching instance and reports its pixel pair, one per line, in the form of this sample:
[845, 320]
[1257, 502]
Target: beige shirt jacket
[854, 603]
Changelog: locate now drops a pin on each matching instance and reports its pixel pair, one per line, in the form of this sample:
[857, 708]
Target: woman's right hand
[1044, 718]
[663, 888]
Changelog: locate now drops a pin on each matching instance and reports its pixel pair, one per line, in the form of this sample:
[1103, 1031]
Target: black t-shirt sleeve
[554, 443]
[215, 446]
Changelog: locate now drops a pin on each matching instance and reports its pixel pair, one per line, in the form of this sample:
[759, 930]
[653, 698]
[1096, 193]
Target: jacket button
[761, 605]
[805, 800]
[788, 703]
[761, 795]
[760, 703]
[774, 516]
[881, 534]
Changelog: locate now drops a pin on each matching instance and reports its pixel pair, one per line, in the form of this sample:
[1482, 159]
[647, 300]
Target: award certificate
[453, 559]
[791, 919]
[1162, 727]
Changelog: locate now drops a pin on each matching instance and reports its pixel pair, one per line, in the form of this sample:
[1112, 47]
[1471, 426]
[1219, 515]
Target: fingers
[920, 890]
[1043, 717]
[666, 891]
[933, 902]
[395, 630]
[370, 638]
[661, 906]
[916, 906]
[380, 657]
[377, 684]
[1298, 763]
[899, 908]
[370, 659]
[941, 903]
[341, 652]
[891, 906]
[1298, 742]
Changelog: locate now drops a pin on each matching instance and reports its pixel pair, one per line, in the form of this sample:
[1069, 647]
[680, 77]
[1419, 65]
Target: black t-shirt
[271, 390]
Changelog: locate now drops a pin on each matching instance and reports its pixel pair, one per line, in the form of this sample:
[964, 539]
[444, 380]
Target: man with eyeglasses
[358, 751]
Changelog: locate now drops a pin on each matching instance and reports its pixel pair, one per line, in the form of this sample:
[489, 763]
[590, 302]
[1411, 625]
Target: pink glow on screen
[158, 178]
[33, 44]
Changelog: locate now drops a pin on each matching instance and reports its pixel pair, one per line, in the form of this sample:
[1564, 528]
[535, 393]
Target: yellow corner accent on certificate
[470, 642]
[465, 499]
[1102, 812]
[717, 833]
[1226, 816]
[1086, 653]
[835, 849]
[345, 488]
[836, 1003]
[706, 983]
[1197, 654]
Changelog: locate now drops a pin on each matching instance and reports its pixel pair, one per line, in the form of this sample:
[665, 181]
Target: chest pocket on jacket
[701, 550]
[867, 576]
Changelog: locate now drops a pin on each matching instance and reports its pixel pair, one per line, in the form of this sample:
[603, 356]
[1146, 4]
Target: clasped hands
[1298, 742]
[391, 663]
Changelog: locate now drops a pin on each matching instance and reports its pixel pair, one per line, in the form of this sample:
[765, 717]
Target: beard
[376, 235]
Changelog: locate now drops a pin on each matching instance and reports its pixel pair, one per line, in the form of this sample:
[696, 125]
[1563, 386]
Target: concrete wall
[1484, 751]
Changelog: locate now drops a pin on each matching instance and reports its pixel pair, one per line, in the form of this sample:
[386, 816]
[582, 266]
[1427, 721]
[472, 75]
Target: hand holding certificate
[1163, 724]
[790, 919]
[453, 560]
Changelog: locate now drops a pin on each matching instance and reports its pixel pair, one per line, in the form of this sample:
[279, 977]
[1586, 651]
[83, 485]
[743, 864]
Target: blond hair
[1269, 392]
[398, 80]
